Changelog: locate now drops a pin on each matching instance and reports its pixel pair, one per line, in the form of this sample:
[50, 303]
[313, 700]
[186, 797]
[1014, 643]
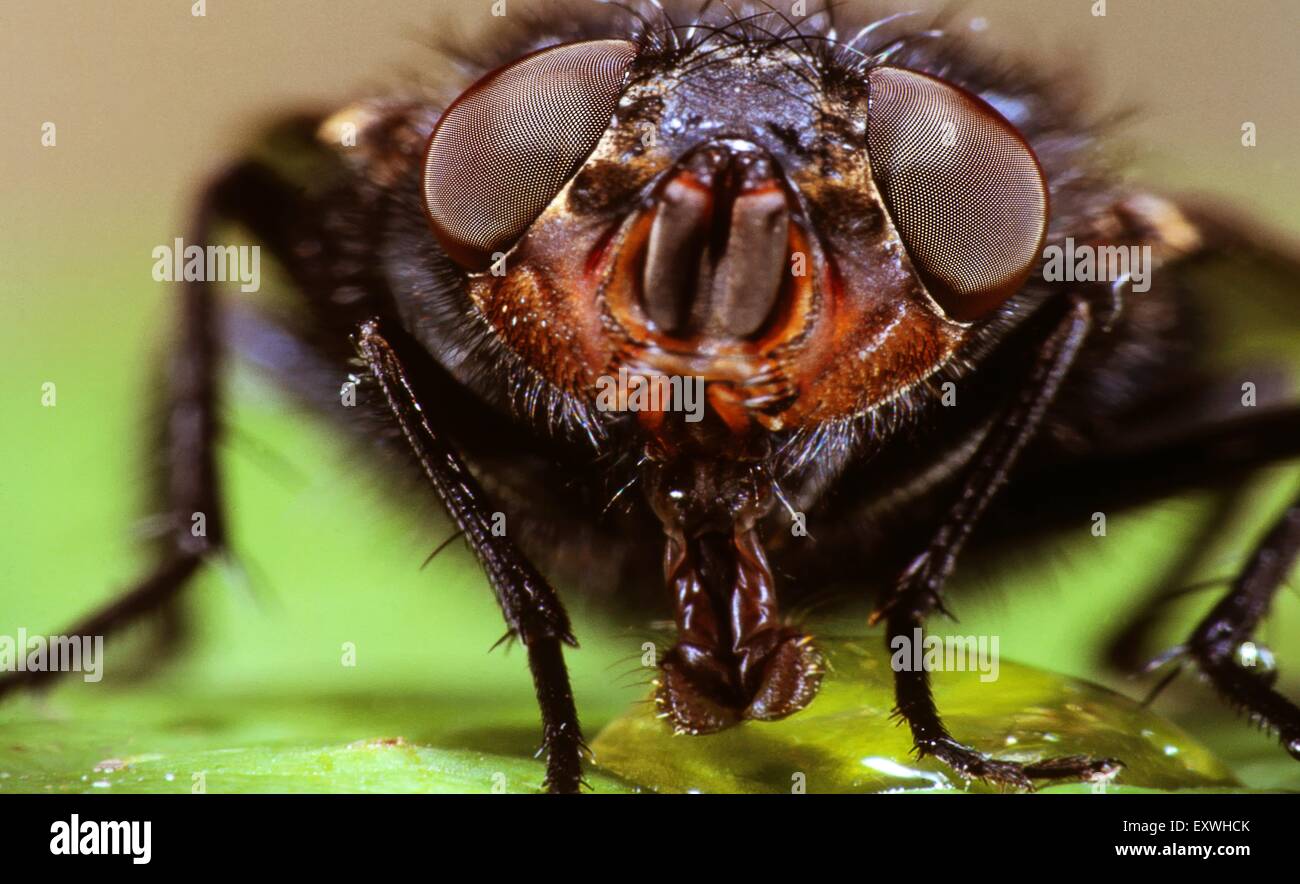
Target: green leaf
[846, 740]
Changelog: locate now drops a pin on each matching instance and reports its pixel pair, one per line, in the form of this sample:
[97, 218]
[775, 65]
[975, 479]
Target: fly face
[718, 213]
[802, 248]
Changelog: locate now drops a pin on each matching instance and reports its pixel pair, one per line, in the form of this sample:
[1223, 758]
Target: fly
[726, 268]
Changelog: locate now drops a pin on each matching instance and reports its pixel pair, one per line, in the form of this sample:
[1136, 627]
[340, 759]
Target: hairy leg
[532, 610]
[918, 591]
[193, 509]
[1237, 443]
[1236, 446]
[1216, 641]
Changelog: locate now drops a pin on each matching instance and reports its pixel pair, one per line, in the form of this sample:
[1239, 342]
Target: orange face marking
[851, 326]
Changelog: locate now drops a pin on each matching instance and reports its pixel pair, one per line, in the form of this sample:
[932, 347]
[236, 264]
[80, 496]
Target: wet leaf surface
[846, 740]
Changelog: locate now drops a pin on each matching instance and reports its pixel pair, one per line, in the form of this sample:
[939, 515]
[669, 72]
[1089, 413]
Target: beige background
[146, 96]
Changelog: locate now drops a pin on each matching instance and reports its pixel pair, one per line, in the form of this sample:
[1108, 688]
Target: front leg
[919, 589]
[532, 611]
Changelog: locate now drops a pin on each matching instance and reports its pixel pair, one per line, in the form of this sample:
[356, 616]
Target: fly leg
[194, 513]
[918, 591]
[531, 608]
[1216, 642]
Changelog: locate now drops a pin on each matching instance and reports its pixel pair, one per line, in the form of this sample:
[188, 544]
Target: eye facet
[505, 147]
[962, 186]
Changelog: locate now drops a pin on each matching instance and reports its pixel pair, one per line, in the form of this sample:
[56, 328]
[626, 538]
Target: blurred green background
[146, 98]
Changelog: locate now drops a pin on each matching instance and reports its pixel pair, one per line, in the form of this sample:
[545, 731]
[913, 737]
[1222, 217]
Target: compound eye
[963, 188]
[507, 145]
